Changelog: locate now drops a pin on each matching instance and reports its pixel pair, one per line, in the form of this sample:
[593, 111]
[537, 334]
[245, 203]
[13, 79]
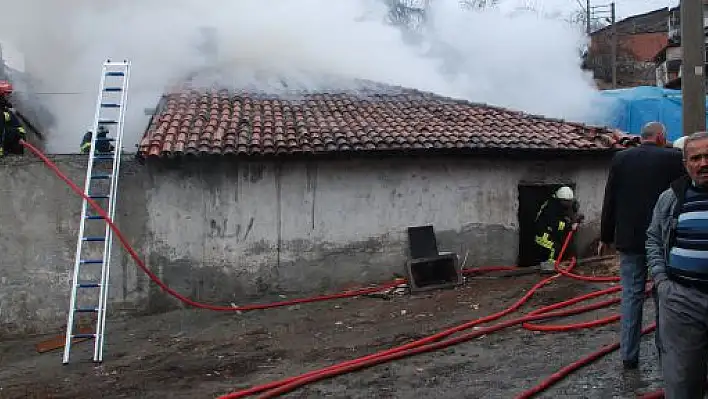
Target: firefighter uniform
[11, 130]
[554, 221]
[102, 146]
[86, 143]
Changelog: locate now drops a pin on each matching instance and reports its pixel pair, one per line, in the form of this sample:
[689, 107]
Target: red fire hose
[565, 371]
[427, 344]
[278, 388]
[170, 291]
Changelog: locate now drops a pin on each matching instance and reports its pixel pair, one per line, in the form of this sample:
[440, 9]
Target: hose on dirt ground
[433, 342]
[427, 344]
[278, 388]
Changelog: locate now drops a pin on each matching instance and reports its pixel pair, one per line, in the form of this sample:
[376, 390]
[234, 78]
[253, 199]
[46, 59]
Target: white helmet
[564, 193]
[678, 143]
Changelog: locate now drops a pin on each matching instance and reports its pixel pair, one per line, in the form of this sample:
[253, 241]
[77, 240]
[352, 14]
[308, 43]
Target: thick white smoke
[520, 61]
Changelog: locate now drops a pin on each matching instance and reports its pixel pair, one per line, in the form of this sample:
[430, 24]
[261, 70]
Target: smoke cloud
[518, 60]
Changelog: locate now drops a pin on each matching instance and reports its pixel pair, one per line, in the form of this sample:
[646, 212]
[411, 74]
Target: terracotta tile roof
[224, 122]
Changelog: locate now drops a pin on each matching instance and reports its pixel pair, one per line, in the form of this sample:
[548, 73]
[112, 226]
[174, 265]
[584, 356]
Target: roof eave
[477, 153]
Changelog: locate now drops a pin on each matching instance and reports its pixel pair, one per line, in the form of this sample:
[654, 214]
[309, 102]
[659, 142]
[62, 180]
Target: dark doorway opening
[531, 197]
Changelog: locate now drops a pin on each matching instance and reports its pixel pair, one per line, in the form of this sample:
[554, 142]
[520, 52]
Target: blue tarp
[632, 108]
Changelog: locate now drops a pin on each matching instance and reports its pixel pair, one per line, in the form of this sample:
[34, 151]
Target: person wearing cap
[636, 178]
[554, 220]
[11, 129]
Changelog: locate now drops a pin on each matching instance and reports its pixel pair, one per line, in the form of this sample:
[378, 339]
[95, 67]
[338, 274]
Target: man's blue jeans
[633, 276]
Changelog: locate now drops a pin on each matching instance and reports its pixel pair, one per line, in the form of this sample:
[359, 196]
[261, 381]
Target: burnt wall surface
[232, 232]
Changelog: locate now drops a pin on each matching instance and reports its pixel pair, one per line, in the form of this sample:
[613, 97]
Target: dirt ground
[202, 354]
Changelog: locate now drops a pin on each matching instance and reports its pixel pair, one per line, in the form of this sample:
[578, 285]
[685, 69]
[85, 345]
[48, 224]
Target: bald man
[636, 179]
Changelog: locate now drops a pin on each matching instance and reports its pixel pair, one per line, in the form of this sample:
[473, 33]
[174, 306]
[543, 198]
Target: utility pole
[588, 17]
[610, 33]
[693, 89]
[615, 42]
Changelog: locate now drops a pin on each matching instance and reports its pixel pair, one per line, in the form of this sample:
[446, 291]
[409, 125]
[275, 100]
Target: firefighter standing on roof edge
[554, 220]
[11, 130]
[102, 145]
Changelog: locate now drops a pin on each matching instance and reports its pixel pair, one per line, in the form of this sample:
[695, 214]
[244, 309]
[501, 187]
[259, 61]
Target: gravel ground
[201, 354]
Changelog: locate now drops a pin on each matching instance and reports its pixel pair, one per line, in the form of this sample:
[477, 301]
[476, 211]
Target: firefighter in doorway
[11, 129]
[554, 220]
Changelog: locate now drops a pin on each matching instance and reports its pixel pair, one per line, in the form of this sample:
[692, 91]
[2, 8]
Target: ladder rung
[107, 122]
[84, 336]
[101, 176]
[91, 261]
[105, 139]
[85, 284]
[113, 89]
[94, 239]
[94, 217]
[86, 310]
[103, 157]
[98, 196]
[110, 105]
[115, 73]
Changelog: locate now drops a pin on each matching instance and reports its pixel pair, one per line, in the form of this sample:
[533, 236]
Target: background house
[668, 60]
[639, 39]
[236, 195]
[668, 66]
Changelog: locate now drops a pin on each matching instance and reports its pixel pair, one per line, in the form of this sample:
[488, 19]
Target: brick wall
[634, 57]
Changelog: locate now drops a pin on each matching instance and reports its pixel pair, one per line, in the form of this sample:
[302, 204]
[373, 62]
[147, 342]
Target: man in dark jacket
[637, 177]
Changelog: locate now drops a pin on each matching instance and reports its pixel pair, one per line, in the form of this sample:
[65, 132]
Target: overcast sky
[625, 8]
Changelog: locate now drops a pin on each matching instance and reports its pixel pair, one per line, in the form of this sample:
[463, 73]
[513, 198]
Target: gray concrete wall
[40, 216]
[230, 232]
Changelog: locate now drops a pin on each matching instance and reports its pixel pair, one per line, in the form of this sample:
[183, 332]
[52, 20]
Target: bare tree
[407, 14]
[478, 4]
[411, 14]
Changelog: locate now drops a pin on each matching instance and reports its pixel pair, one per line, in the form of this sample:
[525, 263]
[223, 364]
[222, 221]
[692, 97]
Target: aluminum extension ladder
[101, 185]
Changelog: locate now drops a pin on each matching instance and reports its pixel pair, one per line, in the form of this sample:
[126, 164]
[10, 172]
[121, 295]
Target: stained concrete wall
[39, 220]
[230, 231]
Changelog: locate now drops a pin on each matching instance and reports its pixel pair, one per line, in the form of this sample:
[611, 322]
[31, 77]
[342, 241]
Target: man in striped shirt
[677, 256]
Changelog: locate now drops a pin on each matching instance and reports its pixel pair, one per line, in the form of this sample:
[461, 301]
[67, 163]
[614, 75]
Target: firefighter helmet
[5, 88]
[564, 193]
